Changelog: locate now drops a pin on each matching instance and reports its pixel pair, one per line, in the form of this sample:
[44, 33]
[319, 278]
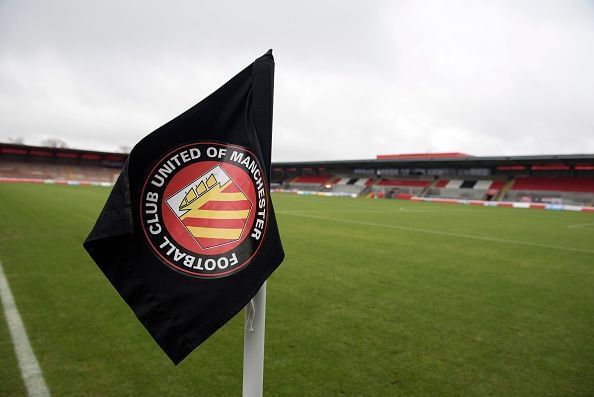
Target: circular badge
[204, 209]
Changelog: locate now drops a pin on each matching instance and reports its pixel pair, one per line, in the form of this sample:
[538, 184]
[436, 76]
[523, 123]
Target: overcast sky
[353, 78]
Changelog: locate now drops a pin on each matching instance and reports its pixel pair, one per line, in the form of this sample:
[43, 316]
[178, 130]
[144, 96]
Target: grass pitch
[375, 298]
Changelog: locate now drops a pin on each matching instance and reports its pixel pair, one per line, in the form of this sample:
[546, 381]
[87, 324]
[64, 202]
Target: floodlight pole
[253, 345]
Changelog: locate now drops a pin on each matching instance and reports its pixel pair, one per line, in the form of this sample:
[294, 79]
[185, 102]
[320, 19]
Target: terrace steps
[504, 189]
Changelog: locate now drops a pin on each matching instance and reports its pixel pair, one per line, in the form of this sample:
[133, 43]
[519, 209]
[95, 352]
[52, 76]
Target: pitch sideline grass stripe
[450, 234]
[30, 370]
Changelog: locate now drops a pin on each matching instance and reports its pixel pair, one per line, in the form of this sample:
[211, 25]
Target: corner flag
[188, 234]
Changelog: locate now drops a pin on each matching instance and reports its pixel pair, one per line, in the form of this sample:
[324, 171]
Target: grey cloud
[353, 79]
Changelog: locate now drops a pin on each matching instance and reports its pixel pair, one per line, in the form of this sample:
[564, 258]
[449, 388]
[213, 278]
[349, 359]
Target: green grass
[375, 298]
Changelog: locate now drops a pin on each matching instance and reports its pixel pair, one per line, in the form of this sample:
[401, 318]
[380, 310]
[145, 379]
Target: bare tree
[19, 140]
[54, 142]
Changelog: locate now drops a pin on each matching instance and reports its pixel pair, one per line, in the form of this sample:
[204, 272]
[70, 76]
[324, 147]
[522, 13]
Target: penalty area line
[28, 364]
[440, 233]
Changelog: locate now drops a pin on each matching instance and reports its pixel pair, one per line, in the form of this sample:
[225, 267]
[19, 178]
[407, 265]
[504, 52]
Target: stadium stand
[563, 179]
[310, 182]
[555, 179]
[311, 179]
[561, 184]
[20, 163]
[469, 189]
[15, 169]
[350, 185]
[552, 189]
[386, 187]
[403, 182]
[327, 183]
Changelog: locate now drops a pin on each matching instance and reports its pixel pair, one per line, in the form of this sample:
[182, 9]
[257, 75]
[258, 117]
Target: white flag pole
[253, 345]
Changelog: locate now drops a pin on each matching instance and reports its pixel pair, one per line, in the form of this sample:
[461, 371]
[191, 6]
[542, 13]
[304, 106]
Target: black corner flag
[188, 234]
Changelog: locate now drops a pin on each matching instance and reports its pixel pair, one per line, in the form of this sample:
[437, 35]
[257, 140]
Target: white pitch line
[450, 234]
[338, 211]
[30, 370]
[384, 211]
[581, 225]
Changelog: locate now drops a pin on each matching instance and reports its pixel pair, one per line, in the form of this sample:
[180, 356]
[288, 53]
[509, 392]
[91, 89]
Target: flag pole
[253, 345]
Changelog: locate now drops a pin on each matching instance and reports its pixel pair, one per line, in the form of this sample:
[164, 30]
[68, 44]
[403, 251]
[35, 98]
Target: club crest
[204, 209]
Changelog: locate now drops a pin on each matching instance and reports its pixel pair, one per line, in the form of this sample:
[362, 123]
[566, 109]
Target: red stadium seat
[558, 184]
